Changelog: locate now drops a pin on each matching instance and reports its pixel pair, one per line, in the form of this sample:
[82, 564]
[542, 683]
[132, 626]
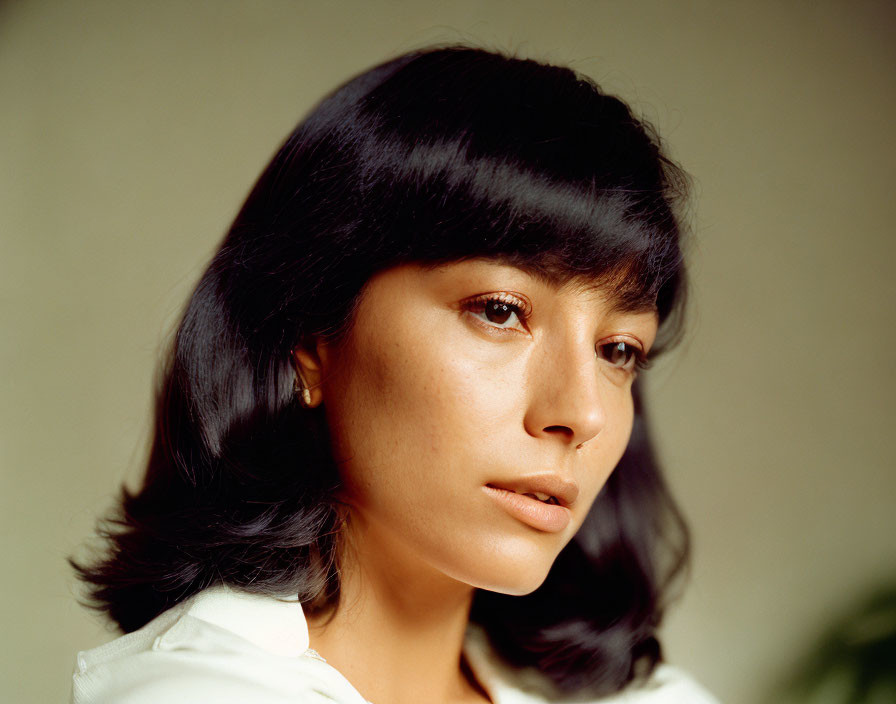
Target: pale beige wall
[130, 132]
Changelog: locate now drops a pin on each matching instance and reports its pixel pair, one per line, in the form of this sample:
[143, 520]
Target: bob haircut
[439, 155]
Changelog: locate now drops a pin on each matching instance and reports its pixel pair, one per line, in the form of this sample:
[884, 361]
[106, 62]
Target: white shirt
[230, 647]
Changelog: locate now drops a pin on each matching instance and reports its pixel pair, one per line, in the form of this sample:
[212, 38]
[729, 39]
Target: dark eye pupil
[619, 354]
[498, 312]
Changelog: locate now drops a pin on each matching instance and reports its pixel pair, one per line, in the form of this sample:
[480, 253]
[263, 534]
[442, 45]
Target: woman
[395, 397]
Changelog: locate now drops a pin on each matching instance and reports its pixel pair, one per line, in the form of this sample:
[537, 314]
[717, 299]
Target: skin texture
[430, 398]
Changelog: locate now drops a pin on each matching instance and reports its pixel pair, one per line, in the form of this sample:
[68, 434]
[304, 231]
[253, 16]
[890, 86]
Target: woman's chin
[515, 572]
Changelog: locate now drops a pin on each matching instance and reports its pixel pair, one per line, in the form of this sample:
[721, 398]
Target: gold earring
[302, 391]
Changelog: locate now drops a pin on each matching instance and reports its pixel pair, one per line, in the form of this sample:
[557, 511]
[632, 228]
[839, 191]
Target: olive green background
[131, 131]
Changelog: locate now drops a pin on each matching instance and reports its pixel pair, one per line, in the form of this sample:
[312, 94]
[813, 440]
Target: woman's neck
[398, 632]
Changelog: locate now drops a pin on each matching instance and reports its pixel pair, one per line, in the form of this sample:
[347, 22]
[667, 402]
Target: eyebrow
[621, 303]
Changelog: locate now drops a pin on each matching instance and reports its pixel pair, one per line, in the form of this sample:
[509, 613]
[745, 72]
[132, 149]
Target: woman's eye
[622, 355]
[498, 313]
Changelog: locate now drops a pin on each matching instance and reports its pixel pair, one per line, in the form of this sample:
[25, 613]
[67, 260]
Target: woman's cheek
[608, 448]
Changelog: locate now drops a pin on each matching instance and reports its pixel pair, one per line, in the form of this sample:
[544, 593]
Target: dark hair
[439, 155]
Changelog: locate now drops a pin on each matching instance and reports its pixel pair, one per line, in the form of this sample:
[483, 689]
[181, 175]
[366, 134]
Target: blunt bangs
[552, 229]
[544, 172]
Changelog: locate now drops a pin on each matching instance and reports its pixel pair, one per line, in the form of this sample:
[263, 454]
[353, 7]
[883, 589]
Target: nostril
[558, 429]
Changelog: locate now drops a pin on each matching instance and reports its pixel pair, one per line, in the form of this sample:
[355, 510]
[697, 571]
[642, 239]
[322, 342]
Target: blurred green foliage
[854, 661]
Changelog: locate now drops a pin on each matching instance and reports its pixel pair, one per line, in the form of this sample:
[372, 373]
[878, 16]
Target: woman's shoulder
[666, 685]
[220, 646]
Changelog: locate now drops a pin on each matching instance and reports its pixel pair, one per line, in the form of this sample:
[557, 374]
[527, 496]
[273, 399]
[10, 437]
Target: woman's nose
[565, 400]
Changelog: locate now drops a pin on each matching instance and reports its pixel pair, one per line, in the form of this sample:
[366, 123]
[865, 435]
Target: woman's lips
[550, 518]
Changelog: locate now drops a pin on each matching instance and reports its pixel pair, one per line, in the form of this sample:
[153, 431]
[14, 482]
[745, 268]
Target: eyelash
[635, 359]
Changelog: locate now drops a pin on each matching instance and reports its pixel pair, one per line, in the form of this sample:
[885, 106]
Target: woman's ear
[308, 362]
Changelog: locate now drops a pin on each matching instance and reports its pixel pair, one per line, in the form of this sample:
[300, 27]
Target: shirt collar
[275, 624]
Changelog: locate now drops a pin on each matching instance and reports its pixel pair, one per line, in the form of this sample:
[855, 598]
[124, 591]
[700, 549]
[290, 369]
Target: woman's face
[463, 388]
